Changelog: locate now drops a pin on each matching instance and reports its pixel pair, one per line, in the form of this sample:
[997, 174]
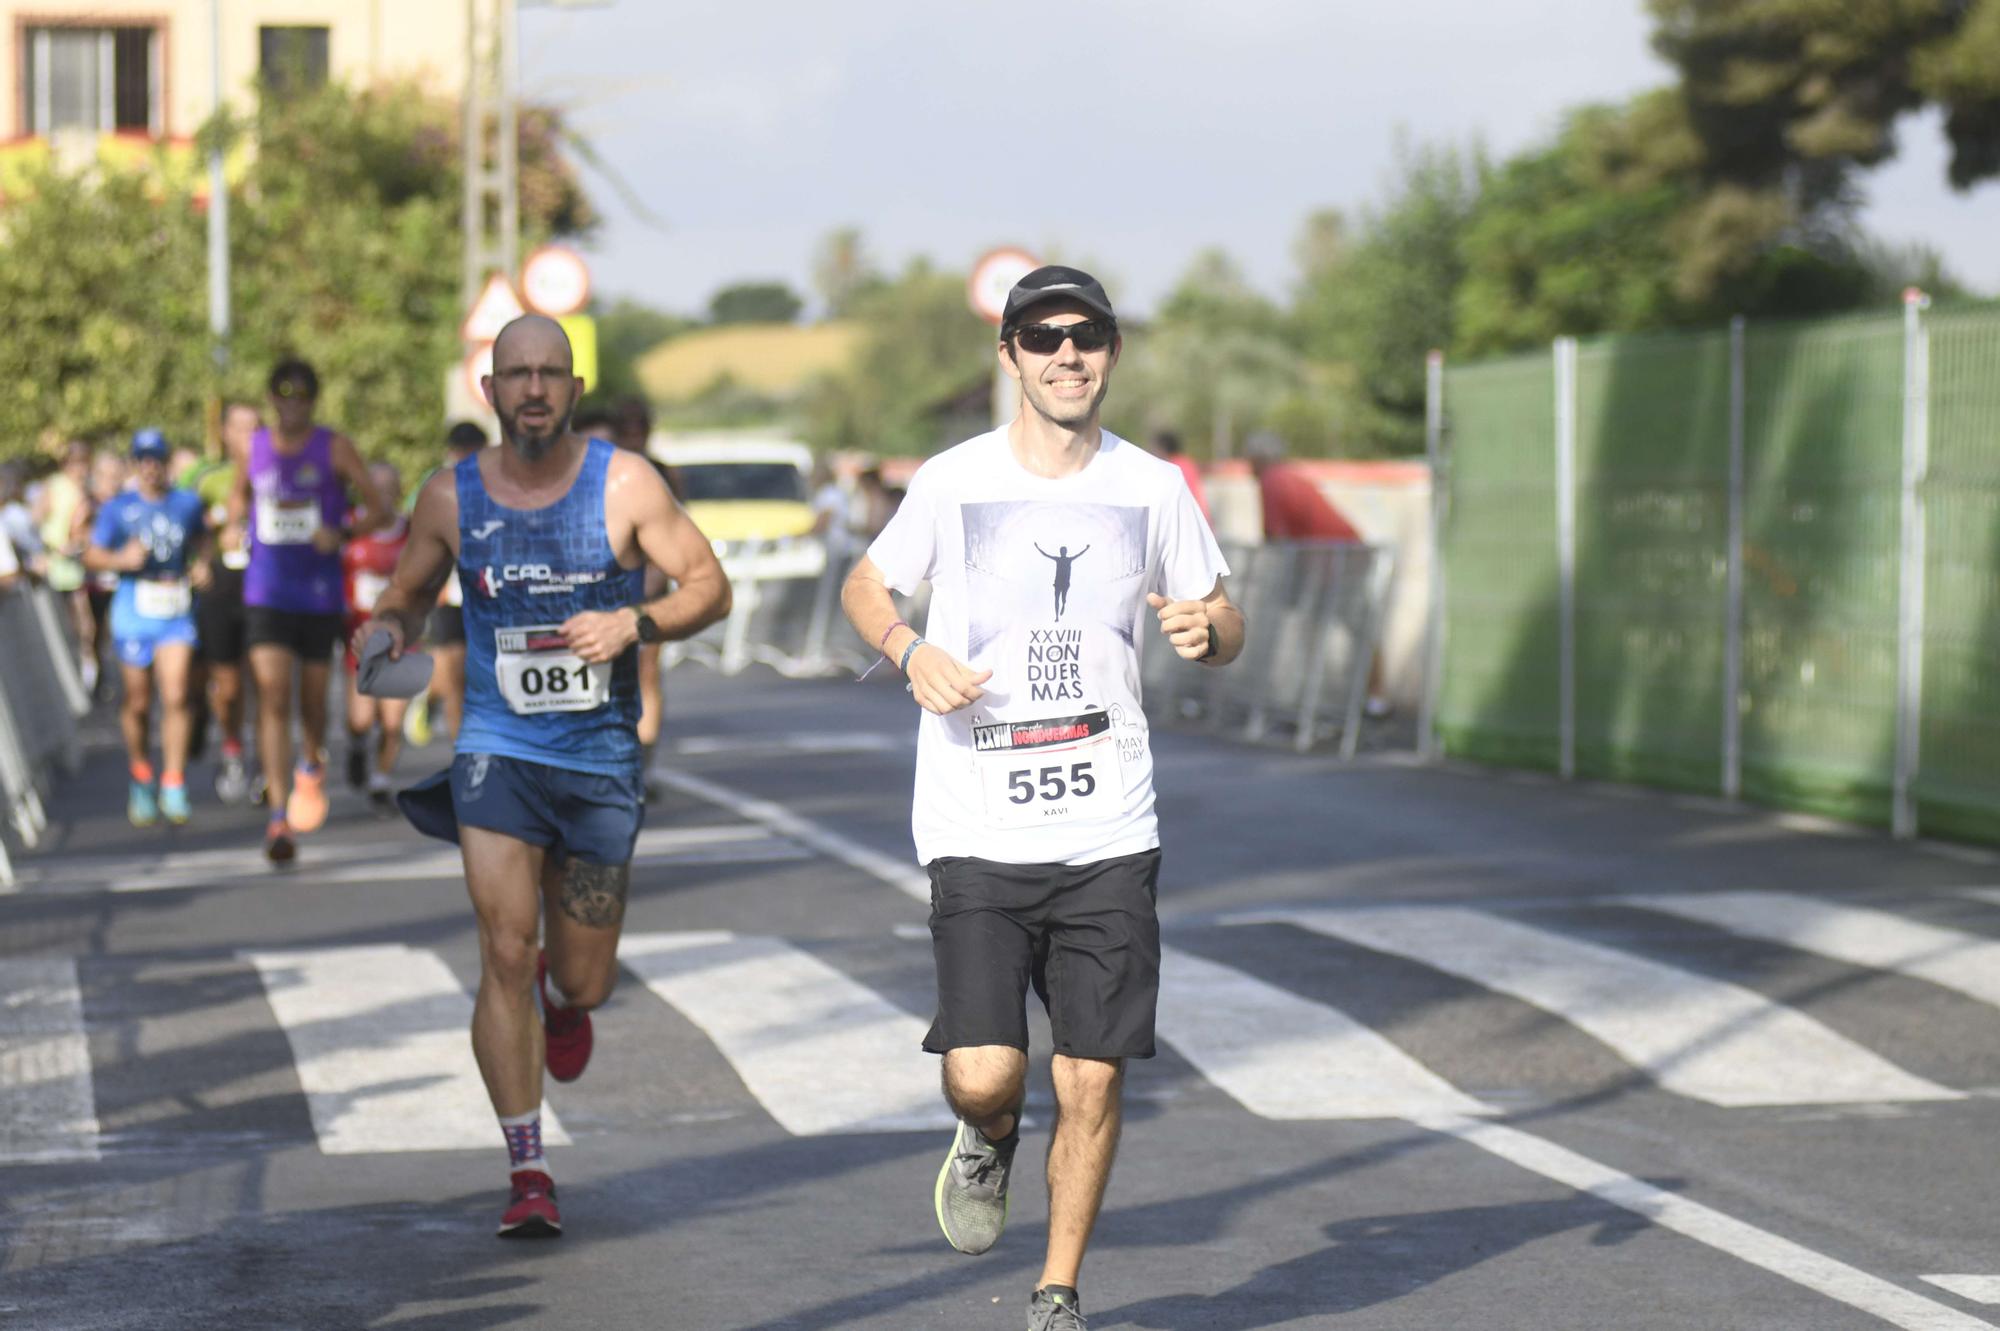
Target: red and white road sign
[496, 307]
[555, 281]
[994, 276]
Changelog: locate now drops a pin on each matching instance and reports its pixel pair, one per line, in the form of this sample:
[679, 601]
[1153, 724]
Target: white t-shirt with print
[1043, 582]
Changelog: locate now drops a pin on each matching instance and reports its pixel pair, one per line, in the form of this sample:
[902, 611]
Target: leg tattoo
[594, 894]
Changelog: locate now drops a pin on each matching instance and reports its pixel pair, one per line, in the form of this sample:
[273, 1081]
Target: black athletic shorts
[1086, 936]
[311, 637]
[446, 626]
[219, 618]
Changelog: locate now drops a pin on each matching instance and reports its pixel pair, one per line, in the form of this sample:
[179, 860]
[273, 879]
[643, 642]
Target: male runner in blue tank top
[550, 536]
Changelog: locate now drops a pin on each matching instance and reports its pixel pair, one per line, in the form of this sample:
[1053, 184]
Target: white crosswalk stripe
[821, 1052]
[1698, 1036]
[1308, 1060]
[379, 1038]
[378, 1035]
[48, 1108]
[1857, 935]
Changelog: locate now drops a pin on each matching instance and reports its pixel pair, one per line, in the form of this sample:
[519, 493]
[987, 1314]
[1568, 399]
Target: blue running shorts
[586, 816]
[142, 637]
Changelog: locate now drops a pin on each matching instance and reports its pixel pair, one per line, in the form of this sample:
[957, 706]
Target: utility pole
[492, 144]
[218, 202]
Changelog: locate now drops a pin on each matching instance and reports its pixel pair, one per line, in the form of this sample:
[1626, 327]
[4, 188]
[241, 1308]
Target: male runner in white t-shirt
[1050, 545]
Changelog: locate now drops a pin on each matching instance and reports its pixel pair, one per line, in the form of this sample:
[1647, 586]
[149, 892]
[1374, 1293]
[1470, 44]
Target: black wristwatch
[649, 632]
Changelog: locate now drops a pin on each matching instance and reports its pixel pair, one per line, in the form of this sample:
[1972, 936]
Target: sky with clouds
[1128, 134]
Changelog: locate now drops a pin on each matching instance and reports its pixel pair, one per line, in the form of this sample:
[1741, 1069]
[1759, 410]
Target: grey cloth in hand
[380, 677]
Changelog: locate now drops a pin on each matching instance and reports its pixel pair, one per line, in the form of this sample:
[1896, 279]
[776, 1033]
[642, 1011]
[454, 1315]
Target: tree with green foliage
[107, 322]
[1788, 100]
[345, 250]
[1794, 94]
[755, 303]
[1377, 303]
[919, 379]
[842, 271]
[1219, 362]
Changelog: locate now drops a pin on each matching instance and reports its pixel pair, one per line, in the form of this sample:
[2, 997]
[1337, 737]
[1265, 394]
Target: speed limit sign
[994, 276]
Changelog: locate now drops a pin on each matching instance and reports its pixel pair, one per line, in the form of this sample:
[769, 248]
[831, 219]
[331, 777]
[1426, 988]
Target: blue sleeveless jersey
[528, 569]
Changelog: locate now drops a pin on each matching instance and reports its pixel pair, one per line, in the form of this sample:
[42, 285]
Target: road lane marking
[1857, 935]
[795, 744]
[1306, 1060]
[1973, 1289]
[1697, 1036]
[1704, 1224]
[378, 1035]
[48, 1101]
[900, 874]
[821, 1052]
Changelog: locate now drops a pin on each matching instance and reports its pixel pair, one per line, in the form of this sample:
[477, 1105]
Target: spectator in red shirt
[1294, 508]
[1166, 444]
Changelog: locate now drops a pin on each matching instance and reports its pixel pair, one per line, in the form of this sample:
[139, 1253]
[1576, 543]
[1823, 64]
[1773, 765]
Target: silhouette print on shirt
[1063, 561]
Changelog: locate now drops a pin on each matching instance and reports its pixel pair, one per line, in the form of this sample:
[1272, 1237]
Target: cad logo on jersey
[542, 579]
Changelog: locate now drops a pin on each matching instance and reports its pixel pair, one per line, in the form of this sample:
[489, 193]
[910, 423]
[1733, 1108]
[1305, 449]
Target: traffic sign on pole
[496, 307]
[994, 276]
[555, 281]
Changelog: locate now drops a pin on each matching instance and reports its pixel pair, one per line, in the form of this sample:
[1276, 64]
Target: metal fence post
[1427, 745]
[1910, 598]
[1565, 367]
[1732, 634]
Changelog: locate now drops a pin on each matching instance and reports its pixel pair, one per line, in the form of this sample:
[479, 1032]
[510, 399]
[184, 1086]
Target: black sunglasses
[292, 388]
[1047, 339]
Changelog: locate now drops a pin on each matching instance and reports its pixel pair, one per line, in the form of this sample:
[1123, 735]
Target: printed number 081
[1049, 783]
[534, 680]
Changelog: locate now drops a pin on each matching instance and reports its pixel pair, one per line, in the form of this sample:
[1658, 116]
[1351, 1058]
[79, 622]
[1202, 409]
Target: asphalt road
[1441, 1048]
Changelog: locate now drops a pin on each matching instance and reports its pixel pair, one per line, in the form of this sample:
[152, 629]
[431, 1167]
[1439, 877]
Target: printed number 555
[1023, 786]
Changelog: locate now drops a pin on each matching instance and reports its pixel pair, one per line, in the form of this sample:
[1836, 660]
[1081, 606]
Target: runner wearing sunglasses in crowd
[292, 494]
[1034, 783]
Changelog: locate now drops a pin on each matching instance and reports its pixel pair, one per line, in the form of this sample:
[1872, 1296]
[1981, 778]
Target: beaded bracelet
[904, 664]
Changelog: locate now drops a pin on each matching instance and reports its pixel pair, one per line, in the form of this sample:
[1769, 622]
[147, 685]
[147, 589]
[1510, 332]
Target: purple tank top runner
[292, 496]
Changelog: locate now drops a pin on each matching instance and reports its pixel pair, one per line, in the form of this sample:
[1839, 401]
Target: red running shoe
[531, 1212]
[566, 1036]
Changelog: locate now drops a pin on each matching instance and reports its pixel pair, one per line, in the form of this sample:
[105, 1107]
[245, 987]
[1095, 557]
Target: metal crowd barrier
[1314, 611]
[41, 701]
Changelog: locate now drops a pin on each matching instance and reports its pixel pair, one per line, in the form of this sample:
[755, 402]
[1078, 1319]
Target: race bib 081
[1059, 769]
[537, 672]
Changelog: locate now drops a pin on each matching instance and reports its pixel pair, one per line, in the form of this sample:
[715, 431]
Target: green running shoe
[971, 1191]
[174, 804]
[142, 806]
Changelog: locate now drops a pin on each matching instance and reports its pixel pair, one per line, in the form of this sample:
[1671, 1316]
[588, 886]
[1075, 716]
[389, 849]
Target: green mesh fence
[1958, 772]
[1498, 694]
[1822, 429]
[1823, 462]
[1652, 548]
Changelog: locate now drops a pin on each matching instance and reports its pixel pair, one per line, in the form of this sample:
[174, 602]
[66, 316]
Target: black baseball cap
[1053, 282]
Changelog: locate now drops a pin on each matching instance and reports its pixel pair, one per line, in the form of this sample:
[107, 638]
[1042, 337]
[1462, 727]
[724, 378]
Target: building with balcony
[83, 80]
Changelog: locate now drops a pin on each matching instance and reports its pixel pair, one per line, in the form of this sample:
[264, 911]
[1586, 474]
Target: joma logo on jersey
[541, 578]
